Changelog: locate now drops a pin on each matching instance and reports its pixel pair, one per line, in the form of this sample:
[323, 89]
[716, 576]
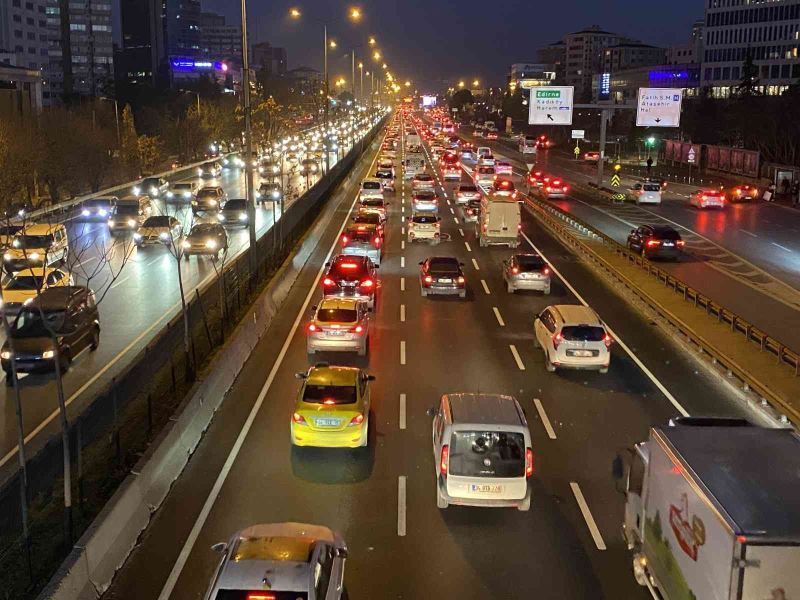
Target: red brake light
[297, 418]
[557, 339]
[514, 270]
[546, 271]
[681, 243]
[348, 266]
[345, 239]
[358, 329]
[361, 228]
[377, 241]
[652, 243]
[444, 459]
[428, 279]
[357, 420]
[260, 596]
[367, 283]
[312, 327]
[328, 281]
[528, 462]
[608, 340]
[703, 197]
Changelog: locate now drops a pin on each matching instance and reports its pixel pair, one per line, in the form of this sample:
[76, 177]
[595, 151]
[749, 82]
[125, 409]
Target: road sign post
[550, 105]
[577, 151]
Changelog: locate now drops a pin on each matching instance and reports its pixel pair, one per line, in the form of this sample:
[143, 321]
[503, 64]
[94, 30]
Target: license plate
[328, 422]
[445, 281]
[486, 488]
[335, 332]
[667, 244]
[581, 352]
[348, 284]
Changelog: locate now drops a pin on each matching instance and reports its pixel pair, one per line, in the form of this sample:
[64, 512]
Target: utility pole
[606, 110]
[248, 142]
[325, 68]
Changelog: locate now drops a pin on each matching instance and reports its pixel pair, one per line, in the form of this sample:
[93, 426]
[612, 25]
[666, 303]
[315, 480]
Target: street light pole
[248, 141]
[361, 82]
[353, 76]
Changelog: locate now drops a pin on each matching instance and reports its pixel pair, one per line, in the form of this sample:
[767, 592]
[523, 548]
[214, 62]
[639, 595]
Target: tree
[513, 105]
[129, 151]
[150, 152]
[461, 99]
[748, 86]
[93, 154]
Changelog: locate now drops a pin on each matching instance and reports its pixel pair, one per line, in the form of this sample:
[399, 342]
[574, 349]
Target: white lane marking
[402, 244]
[403, 352]
[180, 562]
[402, 284]
[485, 287]
[545, 421]
[498, 316]
[618, 339]
[452, 211]
[402, 210]
[402, 313]
[455, 220]
[748, 233]
[402, 262]
[401, 505]
[461, 231]
[402, 411]
[403, 230]
[468, 248]
[475, 264]
[517, 358]
[587, 516]
[782, 247]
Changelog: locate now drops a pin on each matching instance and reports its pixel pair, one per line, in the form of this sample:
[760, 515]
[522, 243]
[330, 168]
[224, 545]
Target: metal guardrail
[784, 355]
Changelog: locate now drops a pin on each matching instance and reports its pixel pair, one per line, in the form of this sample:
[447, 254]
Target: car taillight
[681, 243]
[312, 327]
[367, 283]
[546, 271]
[514, 270]
[376, 241]
[548, 188]
[260, 596]
[443, 459]
[722, 197]
[357, 420]
[528, 462]
[298, 418]
[566, 187]
[557, 339]
[703, 197]
[345, 239]
[460, 281]
[358, 329]
[651, 243]
[428, 280]
[328, 281]
[608, 340]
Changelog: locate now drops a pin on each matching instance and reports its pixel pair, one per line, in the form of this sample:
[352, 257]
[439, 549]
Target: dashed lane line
[545, 421]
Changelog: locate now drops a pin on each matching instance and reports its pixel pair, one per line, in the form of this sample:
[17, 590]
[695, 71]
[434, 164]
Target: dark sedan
[207, 239]
[656, 241]
[234, 213]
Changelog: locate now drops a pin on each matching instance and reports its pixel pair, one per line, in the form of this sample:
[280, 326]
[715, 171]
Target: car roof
[574, 314]
[57, 298]
[659, 228]
[41, 228]
[34, 272]
[333, 303]
[483, 408]
[327, 375]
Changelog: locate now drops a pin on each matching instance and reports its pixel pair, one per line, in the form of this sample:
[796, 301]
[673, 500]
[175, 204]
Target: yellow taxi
[23, 286]
[332, 408]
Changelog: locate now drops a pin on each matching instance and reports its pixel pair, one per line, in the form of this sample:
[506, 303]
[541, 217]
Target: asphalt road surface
[401, 545]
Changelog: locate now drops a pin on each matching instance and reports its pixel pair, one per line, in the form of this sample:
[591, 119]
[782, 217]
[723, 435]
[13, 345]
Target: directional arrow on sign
[615, 180]
[549, 116]
[658, 120]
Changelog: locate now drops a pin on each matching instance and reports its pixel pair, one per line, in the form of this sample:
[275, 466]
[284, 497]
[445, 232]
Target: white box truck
[712, 510]
[500, 221]
[413, 142]
[413, 164]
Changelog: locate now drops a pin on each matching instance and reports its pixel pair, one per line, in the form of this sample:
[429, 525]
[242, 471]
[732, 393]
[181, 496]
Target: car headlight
[275, 169]
[15, 243]
[103, 212]
[48, 354]
[199, 171]
[170, 194]
[154, 190]
[211, 244]
[276, 194]
[111, 222]
[243, 216]
[163, 236]
[85, 212]
[131, 222]
[136, 190]
[221, 217]
[137, 236]
[185, 245]
[212, 202]
[34, 256]
[187, 194]
[27, 301]
[5, 354]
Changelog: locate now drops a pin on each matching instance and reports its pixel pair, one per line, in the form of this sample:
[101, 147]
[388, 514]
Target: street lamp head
[355, 13]
[332, 43]
[475, 83]
[372, 41]
[295, 13]
[376, 55]
[461, 84]
[384, 66]
[360, 65]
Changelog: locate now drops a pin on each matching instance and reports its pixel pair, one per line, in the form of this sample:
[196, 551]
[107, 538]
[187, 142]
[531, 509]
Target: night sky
[426, 41]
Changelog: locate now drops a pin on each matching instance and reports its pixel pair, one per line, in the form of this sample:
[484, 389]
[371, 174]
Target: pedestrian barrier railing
[784, 355]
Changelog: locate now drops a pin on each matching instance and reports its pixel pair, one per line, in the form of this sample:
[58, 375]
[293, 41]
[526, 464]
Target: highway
[383, 499]
[137, 291]
[746, 256]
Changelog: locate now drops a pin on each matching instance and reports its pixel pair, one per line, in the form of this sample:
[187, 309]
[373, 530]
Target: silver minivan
[482, 451]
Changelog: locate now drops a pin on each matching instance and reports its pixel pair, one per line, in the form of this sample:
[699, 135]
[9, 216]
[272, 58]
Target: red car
[537, 179]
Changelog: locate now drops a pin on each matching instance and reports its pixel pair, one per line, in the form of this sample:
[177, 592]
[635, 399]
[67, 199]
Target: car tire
[423, 293]
[9, 379]
[362, 351]
[525, 505]
[510, 288]
[604, 371]
[366, 437]
[463, 294]
[551, 368]
[441, 501]
[95, 339]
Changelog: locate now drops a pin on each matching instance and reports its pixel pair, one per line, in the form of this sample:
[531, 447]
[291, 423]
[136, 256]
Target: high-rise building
[269, 59]
[217, 39]
[181, 21]
[554, 54]
[528, 75]
[23, 33]
[143, 51]
[767, 32]
[692, 51]
[629, 55]
[583, 54]
[80, 48]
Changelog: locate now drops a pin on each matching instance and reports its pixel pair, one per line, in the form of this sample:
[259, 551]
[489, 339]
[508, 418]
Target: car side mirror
[370, 377]
[420, 263]
[220, 547]
[633, 231]
[431, 412]
[461, 264]
[327, 264]
[341, 552]
[300, 375]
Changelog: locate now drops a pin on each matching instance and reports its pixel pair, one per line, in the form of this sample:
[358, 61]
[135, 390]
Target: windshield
[467, 188]
[372, 185]
[33, 241]
[10, 230]
[203, 229]
[337, 315]
[445, 267]
[24, 282]
[371, 218]
[29, 323]
[97, 203]
[126, 209]
[207, 194]
[530, 263]
[486, 170]
[583, 333]
[425, 219]
[181, 187]
[372, 202]
[487, 454]
[159, 221]
[329, 394]
[236, 204]
[652, 187]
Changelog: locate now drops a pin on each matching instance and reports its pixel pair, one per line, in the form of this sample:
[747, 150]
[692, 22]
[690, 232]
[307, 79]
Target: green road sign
[548, 93]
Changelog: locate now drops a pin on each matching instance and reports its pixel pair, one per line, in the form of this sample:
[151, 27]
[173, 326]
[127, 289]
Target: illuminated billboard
[429, 101]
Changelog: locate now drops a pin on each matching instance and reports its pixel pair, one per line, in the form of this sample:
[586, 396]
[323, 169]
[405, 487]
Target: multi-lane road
[138, 293]
[745, 256]
[382, 500]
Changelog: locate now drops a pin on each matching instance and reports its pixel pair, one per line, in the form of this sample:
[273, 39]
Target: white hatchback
[572, 336]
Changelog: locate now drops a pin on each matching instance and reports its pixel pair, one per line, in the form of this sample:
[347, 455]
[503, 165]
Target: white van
[527, 144]
[647, 193]
[500, 221]
[485, 156]
[482, 451]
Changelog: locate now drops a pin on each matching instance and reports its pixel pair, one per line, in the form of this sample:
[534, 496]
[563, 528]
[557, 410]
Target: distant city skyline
[477, 41]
